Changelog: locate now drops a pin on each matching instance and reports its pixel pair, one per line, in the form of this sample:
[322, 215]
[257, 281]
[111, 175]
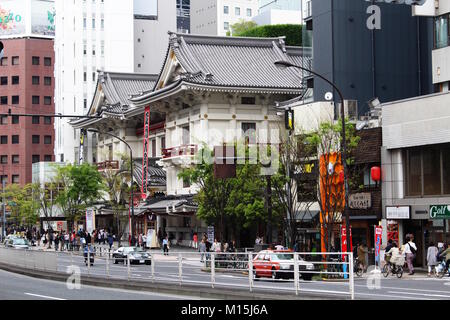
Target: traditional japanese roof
[156, 177]
[172, 205]
[228, 63]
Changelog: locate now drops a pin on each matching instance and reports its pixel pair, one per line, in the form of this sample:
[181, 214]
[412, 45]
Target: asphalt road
[19, 287]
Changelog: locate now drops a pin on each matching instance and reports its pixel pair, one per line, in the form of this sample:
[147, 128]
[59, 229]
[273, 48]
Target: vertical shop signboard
[378, 235]
[145, 157]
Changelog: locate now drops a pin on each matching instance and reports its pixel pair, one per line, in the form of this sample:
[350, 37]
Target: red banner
[345, 241]
[146, 144]
[378, 235]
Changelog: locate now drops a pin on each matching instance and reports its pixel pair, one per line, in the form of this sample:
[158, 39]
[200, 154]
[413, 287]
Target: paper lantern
[376, 174]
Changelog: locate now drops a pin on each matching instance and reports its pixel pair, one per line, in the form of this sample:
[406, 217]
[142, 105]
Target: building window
[3, 120]
[48, 81]
[48, 158]
[226, 10]
[15, 80]
[15, 120]
[15, 159]
[153, 148]
[4, 81]
[47, 120]
[4, 62]
[226, 25]
[35, 158]
[15, 99]
[248, 100]
[35, 139]
[35, 80]
[163, 142]
[4, 140]
[15, 139]
[35, 61]
[249, 132]
[4, 159]
[47, 61]
[36, 100]
[442, 31]
[4, 179]
[85, 103]
[4, 100]
[427, 171]
[85, 76]
[35, 120]
[237, 11]
[47, 101]
[15, 179]
[249, 12]
[48, 140]
[15, 61]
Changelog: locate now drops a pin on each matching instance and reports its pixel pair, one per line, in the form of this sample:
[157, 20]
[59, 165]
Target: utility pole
[4, 209]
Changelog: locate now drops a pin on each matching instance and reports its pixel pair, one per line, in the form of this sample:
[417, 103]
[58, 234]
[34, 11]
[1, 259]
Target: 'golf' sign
[440, 212]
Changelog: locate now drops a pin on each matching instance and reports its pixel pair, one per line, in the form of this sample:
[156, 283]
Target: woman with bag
[410, 251]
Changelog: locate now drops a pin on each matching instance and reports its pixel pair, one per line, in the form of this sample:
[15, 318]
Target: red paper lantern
[376, 174]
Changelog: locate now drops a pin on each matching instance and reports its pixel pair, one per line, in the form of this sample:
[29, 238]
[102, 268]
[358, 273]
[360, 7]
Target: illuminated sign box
[27, 18]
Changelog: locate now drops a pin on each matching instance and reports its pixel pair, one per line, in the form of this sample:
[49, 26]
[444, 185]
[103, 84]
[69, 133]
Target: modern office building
[383, 54]
[103, 35]
[26, 87]
[416, 151]
[184, 16]
[215, 17]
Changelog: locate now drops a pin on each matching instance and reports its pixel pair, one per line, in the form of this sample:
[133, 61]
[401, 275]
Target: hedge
[292, 32]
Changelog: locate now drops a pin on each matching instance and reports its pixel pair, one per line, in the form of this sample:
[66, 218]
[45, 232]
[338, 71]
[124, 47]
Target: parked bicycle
[358, 267]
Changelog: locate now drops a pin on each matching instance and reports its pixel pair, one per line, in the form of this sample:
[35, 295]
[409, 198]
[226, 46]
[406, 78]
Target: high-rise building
[184, 16]
[273, 12]
[108, 35]
[215, 17]
[26, 87]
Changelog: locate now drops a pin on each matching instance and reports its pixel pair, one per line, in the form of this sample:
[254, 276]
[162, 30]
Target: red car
[279, 264]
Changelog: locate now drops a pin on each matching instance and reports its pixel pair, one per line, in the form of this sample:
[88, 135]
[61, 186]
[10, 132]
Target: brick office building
[26, 87]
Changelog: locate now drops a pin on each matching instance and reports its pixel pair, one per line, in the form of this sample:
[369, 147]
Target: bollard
[128, 268]
[296, 273]
[213, 270]
[250, 271]
[107, 266]
[153, 267]
[89, 263]
[352, 278]
[180, 267]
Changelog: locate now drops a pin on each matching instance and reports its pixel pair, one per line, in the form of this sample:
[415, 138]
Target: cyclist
[396, 256]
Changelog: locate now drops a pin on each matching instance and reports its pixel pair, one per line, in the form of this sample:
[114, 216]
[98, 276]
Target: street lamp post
[286, 64]
[132, 175]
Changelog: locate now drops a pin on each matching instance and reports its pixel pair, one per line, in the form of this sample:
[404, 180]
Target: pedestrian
[410, 252]
[110, 241]
[66, 241]
[140, 240]
[445, 255]
[144, 241]
[38, 238]
[202, 249]
[56, 241]
[431, 257]
[195, 240]
[216, 246]
[166, 246]
[362, 251]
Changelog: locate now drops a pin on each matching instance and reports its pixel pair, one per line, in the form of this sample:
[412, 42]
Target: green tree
[24, 210]
[241, 27]
[293, 33]
[80, 186]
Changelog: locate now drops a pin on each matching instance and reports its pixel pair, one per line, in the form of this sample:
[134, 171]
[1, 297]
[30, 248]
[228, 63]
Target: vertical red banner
[378, 236]
[343, 242]
[145, 157]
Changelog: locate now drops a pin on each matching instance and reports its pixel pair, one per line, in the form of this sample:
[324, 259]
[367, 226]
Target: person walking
[110, 241]
[216, 246]
[362, 251]
[410, 252]
[57, 238]
[446, 256]
[195, 241]
[166, 246]
[431, 257]
[202, 249]
[38, 238]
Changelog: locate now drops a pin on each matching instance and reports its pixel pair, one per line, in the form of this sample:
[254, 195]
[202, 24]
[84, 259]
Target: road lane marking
[41, 296]
[387, 296]
[421, 294]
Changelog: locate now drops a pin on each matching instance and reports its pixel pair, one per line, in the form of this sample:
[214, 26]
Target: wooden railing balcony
[108, 165]
[186, 150]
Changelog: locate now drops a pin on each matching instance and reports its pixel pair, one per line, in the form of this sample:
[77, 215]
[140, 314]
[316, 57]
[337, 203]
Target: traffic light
[1, 50]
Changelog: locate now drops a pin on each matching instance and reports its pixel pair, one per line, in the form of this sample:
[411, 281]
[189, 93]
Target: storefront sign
[440, 212]
[211, 234]
[90, 220]
[146, 147]
[398, 213]
[378, 235]
[360, 201]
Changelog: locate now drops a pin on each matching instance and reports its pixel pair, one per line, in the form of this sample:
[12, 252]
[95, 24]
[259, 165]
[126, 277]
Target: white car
[136, 256]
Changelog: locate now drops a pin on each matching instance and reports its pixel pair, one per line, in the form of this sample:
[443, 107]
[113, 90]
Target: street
[19, 287]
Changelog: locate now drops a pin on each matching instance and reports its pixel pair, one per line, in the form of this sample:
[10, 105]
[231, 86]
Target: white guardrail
[274, 271]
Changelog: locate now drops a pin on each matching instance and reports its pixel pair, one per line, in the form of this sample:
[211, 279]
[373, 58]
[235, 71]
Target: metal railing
[287, 272]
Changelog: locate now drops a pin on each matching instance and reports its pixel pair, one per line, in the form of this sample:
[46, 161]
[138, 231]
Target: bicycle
[358, 267]
[396, 269]
[441, 269]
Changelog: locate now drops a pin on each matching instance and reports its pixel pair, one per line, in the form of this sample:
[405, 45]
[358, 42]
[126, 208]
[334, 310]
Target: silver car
[17, 243]
[136, 256]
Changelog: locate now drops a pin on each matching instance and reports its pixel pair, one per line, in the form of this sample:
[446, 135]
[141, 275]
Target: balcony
[181, 155]
[108, 165]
